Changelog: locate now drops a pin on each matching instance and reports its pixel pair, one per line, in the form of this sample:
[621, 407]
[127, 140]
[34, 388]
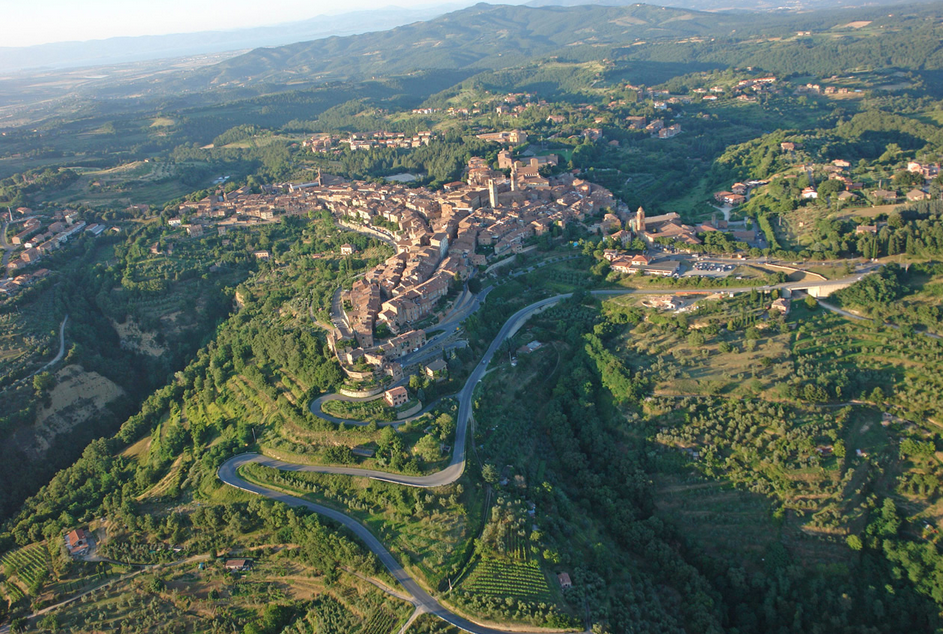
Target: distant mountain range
[481, 37]
[488, 37]
[118, 50]
[416, 58]
[133, 49]
[722, 5]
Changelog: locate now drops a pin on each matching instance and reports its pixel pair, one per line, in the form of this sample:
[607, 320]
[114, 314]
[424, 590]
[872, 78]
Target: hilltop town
[441, 239]
[608, 325]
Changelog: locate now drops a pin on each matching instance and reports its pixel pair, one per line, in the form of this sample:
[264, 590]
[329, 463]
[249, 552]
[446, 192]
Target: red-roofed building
[77, 542]
[396, 396]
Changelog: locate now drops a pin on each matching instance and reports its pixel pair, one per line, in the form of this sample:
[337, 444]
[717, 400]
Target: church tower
[493, 193]
[640, 220]
[514, 177]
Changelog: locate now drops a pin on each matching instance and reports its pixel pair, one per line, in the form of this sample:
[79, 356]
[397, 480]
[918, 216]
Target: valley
[631, 327]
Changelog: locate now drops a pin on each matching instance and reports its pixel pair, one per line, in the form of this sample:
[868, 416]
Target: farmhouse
[885, 195]
[729, 198]
[529, 347]
[780, 305]
[396, 396]
[76, 542]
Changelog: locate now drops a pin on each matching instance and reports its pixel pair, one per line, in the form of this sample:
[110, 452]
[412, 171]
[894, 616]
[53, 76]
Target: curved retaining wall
[360, 394]
[412, 410]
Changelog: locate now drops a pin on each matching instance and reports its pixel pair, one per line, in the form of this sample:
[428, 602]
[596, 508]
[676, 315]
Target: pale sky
[26, 22]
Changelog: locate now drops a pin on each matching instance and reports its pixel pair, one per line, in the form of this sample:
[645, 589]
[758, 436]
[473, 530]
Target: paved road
[457, 465]
[61, 352]
[316, 404]
[448, 328]
[228, 474]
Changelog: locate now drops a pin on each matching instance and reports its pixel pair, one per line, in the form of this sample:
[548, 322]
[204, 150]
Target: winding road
[316, 409]
[61, 352]
[228, 472]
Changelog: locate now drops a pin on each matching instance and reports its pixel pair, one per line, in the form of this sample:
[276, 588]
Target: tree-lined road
[457, 465]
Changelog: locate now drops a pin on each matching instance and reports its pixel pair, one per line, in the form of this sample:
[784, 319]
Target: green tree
[839, 448]
[42, 383]
[428, 448]
[446, 425]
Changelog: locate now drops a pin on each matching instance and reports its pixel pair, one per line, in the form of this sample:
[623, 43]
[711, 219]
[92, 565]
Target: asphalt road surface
[315, 408]
[228, 474]
[61, 352]
[457, 465]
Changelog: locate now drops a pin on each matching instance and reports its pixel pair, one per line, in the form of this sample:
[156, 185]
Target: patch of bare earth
[77, 397]
[133, 338]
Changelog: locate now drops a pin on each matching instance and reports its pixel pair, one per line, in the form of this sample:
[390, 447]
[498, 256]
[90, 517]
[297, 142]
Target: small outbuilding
[238, 565]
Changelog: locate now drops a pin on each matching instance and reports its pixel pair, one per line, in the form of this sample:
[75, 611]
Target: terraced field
[23, 568]
[495, 578]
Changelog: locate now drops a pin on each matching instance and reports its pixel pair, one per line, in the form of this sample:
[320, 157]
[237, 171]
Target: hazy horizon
[31, 25]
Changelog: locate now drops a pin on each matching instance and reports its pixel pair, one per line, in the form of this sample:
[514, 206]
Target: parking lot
[709, 269]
